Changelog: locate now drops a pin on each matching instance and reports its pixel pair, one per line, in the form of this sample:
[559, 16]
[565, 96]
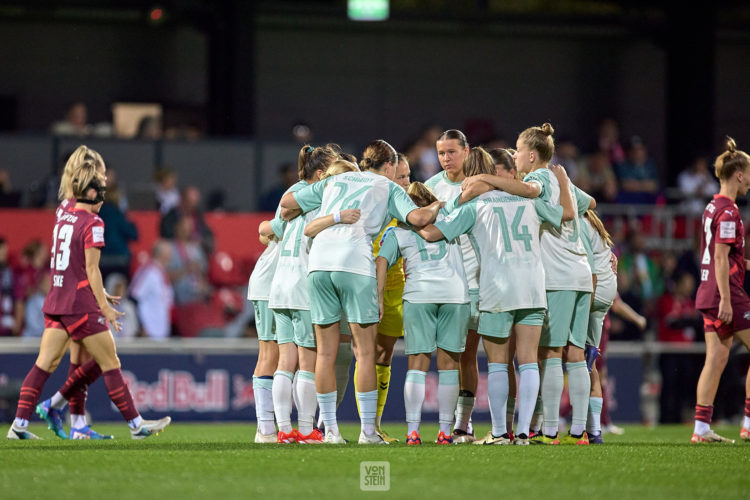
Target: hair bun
[366, 163]
[731, 145]
[547, 129]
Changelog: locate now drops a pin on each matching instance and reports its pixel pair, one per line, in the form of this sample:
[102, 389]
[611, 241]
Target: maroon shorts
[78, 326]
[740, 318]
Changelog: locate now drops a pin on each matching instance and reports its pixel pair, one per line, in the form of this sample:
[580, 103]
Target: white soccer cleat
[371, 439]
[710, 437]
[461, 436]
[332, 438]
[490, 439]
[150, 428]
[264, 438]
[16, 433]
[613, 429]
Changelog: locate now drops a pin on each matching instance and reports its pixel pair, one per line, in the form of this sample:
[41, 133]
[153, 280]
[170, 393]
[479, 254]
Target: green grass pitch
[219, 461]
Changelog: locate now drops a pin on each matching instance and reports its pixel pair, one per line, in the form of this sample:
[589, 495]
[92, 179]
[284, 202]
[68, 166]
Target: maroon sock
[747, 407]
[76, 386]
[30, 391]
[704, 413]
[120, 394]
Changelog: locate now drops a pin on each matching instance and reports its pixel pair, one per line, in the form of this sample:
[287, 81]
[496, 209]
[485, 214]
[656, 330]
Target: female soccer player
[568, 282]
[76, 307]
[721, 297]
[598, 243]
[453, 148]
[290, 303]
[436, 313]
[511, 285]
[342, 273]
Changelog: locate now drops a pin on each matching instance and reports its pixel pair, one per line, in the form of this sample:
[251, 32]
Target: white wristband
[337, 217]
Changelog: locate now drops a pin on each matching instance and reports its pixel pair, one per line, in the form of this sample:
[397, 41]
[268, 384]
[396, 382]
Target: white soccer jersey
[446, 190]
[434, 270]
[348, 247]
[606, 280]
[563, 255]
[505, 231]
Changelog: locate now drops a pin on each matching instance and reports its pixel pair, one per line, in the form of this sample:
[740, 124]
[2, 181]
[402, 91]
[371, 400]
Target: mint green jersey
[606, 280]
[446, 190]
[505, 231]
[348, 247]
[259, 287]
[563, 254]
[434, 270]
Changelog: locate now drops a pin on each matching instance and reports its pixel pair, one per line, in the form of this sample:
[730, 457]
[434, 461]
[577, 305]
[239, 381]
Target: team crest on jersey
[746, 315]
[711, 207]
[102, 320]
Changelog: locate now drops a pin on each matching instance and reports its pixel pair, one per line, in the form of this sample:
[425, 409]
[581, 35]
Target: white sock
[20, 423]
[135, 423]
[308, 401]
[57, 401]
[538, 418]
[341, 369]
[593, 424]
[579, 386]
[294, 390]
[327, 403]
[528, 390]
[368, 408]
[464, 407]
[282, 399]
[497, 394]
[262, 390]
[746, 423]
[510, 413]
[78, 421]
[551, 389]
[447, 398]
[414, 391]
[701, 427]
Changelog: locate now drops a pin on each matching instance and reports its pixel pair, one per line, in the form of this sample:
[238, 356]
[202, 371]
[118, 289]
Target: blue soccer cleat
[596, 438]
[87, 433]
[53, 417]
[591, 353]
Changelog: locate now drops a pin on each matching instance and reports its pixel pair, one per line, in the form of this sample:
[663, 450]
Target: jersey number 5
[61, 252]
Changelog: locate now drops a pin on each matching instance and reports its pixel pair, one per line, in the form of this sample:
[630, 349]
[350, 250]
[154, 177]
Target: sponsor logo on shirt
[746, 315]
[97, 233]
[727, 229]
[102, 320]
[57, 280]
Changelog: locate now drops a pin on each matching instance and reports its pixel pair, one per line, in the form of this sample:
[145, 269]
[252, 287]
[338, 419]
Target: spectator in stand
[167, 195]
[118, 233]
[566, 154]
[8, 197]
[643, 272]
[149, 128]
[422, 155]
[152, 290]
[190, 201]
[609, 141]
[75, 122]
[11, 300]
[117, 286]
[188, 266]
[34, 317]
[597, 177]
[639, 182]
[271, 198]
[697, 186]
[679, 323]
[34, 264]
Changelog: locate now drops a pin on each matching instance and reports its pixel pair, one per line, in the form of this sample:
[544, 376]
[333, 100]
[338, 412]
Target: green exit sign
[368, 10]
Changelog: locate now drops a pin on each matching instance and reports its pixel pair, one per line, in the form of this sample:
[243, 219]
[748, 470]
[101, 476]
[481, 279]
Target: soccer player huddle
[499, 246]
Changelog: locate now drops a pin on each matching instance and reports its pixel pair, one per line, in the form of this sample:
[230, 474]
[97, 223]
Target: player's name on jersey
[68, 217]
[510, 198]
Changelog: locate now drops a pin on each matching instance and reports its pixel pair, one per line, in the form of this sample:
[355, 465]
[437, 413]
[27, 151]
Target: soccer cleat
[14, 433]
[332, 438]
[745, 434]
[444, 438]
[286, 437]
[710, 437]
[388, 439]
[596, 438]
[542, 439]
[613, 429]
[582, 440]
[150, 428]
[534, 433]
[413, 439]
[521, 440]
[490, 439]
[53, 417]
[315, 437]
[264, 438]
[591, 354]
[87, 433]
[371, 439]
[460, 436]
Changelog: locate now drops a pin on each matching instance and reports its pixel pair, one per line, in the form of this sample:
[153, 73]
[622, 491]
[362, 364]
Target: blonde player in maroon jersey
[76, 307]
[721, 297]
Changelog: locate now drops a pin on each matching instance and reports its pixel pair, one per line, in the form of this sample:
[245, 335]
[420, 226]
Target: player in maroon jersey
[76, 307]
[721, 297]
